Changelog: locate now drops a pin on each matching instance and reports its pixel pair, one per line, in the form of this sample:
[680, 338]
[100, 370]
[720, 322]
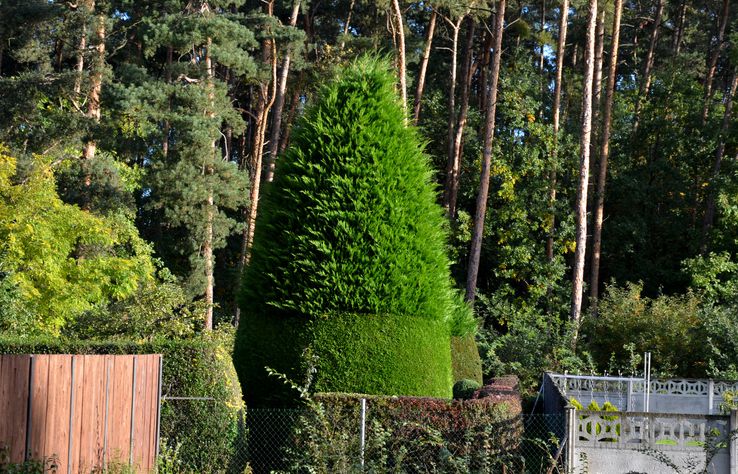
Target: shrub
[196, 367]
[665, 326]
[464, 389]
[465, 360]
[406, 434]
[350, 229]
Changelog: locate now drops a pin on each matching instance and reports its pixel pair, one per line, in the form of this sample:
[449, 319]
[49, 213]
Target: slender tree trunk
[424, 66]
[96, 76]
[483, 67]
[604, 156]
[712, 64]
[207, 170]
[542, 56]
[719, 153]
[167, 125]
[489, 133]
[346, 25]
[401, 63]
[451, 125]
[581, 202]
[279, 102]
[81, 48]
[264, 103]
[452, 173]
[676, 43]
[648, 65]
[561, 49]
[294, 102]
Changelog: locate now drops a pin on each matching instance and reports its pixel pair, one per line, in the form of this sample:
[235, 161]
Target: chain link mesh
[322, 440]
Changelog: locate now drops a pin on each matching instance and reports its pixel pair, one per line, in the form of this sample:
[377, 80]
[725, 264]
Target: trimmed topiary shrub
[207, 430]
[465, 358]
[349, 256]
[464, 389]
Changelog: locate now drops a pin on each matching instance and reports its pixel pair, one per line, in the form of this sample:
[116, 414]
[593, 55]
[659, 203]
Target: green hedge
[376, 354]
[196, 367]
[407, 434]
[465, 359]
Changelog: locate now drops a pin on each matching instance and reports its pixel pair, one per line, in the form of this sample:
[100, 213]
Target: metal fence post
[571, 436]
[732, 433]
[362, 433]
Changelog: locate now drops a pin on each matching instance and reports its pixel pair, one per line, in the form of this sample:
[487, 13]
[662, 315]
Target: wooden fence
[81, 413]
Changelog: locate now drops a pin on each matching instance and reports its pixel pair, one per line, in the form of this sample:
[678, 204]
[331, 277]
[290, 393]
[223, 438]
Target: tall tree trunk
[81, 48]
[401, 63]
[279, 102]
[561, 49]
[451, 125]
[604, 156]
[452, 173]
[346, 25]
[424, 66]
[676, 42]
[719, 153]
[294, 102]
[581, 202]
[167, 125]
[714, 56]
[648, 65]
[264, 103]
[96, 77]
[542, 55]
[483, 88]
[489, 133]
[207, 170]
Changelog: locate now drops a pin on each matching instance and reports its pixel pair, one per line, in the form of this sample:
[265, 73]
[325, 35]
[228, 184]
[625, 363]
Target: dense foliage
[350, 222]
[406, 434]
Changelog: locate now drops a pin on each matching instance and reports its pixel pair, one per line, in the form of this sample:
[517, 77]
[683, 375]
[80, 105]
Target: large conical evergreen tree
[349, 256]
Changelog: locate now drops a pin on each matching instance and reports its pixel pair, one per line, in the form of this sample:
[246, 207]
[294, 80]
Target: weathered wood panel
[84, 412]
[14, 373]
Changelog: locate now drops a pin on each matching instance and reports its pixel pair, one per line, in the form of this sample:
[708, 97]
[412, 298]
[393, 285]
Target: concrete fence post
[710, 396]
[732, 433]
[571, 436]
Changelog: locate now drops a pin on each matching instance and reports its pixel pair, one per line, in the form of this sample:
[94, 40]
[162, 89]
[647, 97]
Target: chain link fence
[321, 440]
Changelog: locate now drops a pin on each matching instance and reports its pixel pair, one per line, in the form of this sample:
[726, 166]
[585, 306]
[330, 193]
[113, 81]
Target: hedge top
[351, 223]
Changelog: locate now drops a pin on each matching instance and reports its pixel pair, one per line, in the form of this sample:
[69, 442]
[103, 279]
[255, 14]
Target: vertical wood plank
[91, 436]
[56, 443]
[14, 371]
[140, 411]
[80, 376]
[20, 407]
[39, 404]
[119, 410]
[153, 411]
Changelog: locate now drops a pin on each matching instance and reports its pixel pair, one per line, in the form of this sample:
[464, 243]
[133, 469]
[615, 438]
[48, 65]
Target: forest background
[585, 153]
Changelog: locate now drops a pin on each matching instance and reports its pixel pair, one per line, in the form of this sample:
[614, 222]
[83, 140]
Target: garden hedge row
[368, 353]
[196, 367]
[407, 434]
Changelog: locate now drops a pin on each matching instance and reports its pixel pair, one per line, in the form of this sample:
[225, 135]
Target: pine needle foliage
[351, 222]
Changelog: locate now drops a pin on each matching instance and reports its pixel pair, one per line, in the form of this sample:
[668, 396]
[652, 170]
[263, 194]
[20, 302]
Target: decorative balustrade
[665, 432]
[631, 391]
